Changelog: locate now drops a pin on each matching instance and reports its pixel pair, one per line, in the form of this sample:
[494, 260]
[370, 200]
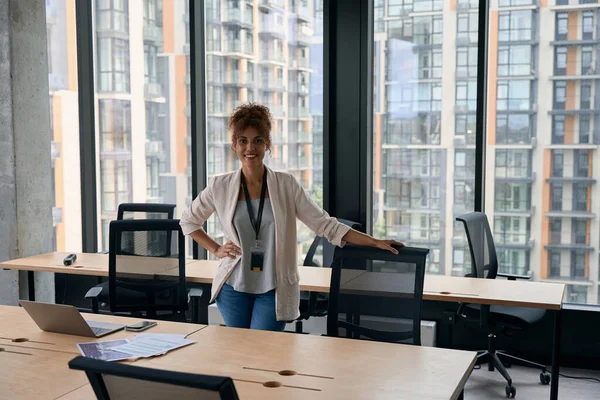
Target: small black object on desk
[70, 259]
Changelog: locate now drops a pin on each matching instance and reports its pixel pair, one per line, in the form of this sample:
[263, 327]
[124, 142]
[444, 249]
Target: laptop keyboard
[99, 331]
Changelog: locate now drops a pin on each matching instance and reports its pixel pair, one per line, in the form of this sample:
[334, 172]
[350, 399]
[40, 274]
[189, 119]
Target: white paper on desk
[104, 351]
[152, 345]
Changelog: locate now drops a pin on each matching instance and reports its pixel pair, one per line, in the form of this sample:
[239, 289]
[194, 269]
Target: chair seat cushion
[504, 315]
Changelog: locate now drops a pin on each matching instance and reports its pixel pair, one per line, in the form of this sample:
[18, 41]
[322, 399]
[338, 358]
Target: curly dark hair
[251, 115]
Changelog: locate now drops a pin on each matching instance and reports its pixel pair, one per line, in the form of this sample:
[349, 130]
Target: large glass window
[143, 127]
[274, 57]
[64, 128]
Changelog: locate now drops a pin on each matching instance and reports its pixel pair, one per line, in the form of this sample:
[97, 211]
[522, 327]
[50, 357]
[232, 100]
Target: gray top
[242, 278]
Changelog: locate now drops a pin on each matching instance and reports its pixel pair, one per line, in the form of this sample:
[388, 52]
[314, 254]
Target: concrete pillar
[25, 182]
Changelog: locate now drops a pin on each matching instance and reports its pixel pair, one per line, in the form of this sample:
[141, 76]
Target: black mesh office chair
[370, 285]
[99, 294]
[314, 304]
[121, 381]
[130, 242]
[495, 319]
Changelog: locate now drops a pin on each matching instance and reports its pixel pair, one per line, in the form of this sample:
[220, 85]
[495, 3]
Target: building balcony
[301, 39]
[558, 241]
[266, 5]
[153, 91]
[464, 140]
[272, 57]
[515, 140]
[299, 63]
[563, 5]
[301, 90]
[276, 110]
[466, 39]
[575, 70]
[271, 84]
[301, 13]
[154, 148]
[153, 33]
[514, 175]
[571, 179]
[506, 208]
[271, 31]
[300, 137]
[465, 5]
[276, 164]
[299, 163]
[234, 17]
[234, 80]
[516, 241]
[411, 140]
[299, 113]
[570, 214]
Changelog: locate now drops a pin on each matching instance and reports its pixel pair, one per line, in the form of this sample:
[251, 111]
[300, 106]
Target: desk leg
[555, 355]
[200, 306]
[31, 285]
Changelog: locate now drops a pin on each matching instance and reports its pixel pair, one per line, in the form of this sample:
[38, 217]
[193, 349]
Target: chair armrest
[195, 292]
[93, 292]
[513, 277]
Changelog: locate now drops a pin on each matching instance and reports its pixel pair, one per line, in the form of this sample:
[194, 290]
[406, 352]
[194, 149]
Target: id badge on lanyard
[257, 256]
[257, 252]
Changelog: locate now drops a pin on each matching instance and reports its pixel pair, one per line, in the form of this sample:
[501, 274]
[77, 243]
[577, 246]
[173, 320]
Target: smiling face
[250, 147]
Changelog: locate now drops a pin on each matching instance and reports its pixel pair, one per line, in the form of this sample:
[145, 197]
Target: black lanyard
[263, 194]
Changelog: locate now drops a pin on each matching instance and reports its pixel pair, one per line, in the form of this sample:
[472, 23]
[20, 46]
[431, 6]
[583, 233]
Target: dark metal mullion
[328, 99]
[366, 116]
[87, 141]
[198, 105]
[480, 123]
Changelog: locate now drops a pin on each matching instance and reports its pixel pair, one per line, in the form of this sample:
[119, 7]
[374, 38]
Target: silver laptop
[66, 319]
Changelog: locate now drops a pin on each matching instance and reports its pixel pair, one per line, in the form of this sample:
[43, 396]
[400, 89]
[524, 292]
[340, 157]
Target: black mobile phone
[140, 326]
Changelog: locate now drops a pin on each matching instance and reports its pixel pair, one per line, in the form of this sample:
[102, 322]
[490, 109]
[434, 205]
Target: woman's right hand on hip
[229, 249]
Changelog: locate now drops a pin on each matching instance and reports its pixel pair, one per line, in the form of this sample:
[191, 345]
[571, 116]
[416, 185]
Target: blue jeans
[247, 310]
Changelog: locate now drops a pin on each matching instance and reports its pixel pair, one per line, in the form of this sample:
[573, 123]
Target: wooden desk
[438, 288]
[344, 368]
[334, 367]
[37, 368]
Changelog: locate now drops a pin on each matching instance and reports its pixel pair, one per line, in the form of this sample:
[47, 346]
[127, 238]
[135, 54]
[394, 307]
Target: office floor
[484, 384]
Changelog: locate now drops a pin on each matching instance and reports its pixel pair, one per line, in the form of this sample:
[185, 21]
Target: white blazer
[288, 200]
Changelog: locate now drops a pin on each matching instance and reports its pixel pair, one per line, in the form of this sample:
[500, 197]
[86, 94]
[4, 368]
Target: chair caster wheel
[545, 378]
[511, 391]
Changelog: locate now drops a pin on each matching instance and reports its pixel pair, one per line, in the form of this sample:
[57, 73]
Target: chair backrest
[138, 247]
[328, 248]
[484, 261]
[370, 285]
[122, 381]
[145, 211]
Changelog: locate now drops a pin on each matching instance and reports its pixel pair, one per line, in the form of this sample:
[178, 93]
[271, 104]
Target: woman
[256, 285]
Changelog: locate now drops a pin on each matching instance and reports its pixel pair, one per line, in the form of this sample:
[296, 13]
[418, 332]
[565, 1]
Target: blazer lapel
[276, 203]
[233, 192]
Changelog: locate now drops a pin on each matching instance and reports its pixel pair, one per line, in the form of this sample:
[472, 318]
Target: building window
[576, 294]
[554, 263]
[464, 163]
[513, 129]
[466, 62]
[555, 230]
[586, 95]
[511, 230]
[562, 26]
[580, 197]
[558, 129]
[560, 63]
[116, 183]
[577, 264]
[512, 197]
[465, 126]
[579, 229]
[515, 26]
[557, 163]
[112, 15]
[466, 96]
[430, 64]
[427, 5]
[587, 67]
[150, 56]
[512, 164]
[467, 28]
[115, 125]
[514, 95]
[113, 65]
[581, 163]
[560, 95]
[515, 60]
[427, 30]
[556, 194]
[584, 129]
[587, 25]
